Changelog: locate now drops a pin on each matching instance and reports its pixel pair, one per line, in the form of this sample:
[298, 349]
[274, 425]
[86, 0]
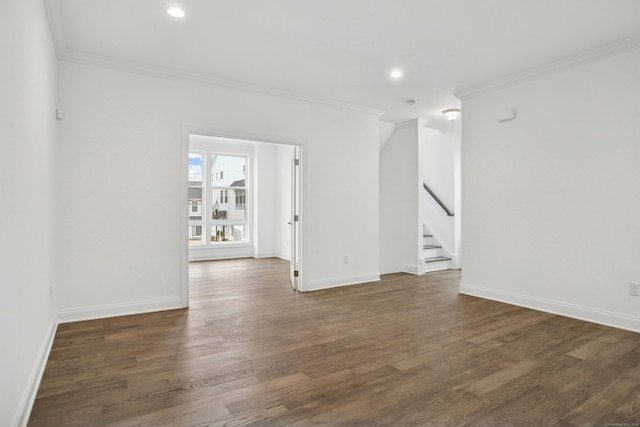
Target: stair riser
[429, 241]
[435, 266]
[430, 253]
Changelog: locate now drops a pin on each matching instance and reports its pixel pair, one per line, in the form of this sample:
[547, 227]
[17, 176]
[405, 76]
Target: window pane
[240, 198]
[195, 170]
[195, 234]
[228, 233]
[195, 203]
[228, 204]
[228, 171]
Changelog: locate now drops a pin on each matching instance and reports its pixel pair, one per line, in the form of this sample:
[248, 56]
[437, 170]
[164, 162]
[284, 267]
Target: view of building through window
[195, 198]
[217, 199]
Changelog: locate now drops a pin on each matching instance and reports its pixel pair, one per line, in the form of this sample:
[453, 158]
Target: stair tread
[431, 247]
[437, 258]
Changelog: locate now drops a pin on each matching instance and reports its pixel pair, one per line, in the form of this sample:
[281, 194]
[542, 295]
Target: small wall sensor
[59, 114]
[506, 115]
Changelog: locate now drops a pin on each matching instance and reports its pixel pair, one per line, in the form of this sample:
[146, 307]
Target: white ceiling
[342, 51]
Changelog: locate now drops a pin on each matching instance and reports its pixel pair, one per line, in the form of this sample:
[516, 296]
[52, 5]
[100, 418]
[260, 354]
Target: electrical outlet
[346, 259]
[634, 289]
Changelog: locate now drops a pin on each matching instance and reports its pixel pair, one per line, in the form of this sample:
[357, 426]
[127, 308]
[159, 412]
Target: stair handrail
[437, 199]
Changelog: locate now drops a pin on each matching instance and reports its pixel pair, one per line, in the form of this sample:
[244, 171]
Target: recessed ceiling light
[396, 74]
[176, 12]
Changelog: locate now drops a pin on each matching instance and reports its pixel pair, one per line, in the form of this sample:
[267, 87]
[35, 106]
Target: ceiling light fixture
[176, 12]
[451, 114]
[396, 74]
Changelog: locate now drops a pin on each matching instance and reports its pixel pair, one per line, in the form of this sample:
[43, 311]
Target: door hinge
[297, 162]
[295, 218]
[295, 273]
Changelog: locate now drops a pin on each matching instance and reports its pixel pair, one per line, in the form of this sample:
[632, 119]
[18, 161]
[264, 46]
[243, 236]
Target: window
[240, 199]
[195, 198]
[228, 233]
[195, 233]
[218, 204]
[229, 219]
[223, 196]
[218, 171]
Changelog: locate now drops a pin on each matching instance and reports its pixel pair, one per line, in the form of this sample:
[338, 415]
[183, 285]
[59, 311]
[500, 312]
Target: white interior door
[295, 218]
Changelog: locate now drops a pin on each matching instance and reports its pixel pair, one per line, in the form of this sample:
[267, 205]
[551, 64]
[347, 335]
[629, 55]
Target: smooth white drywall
[386, 130]
[122, 178]
[266, 197]
[552, 198]
[439, 172]
[27, 142]
[399, 195]
[273, 192]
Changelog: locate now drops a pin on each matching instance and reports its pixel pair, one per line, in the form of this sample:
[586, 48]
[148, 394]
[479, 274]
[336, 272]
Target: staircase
[434, 256]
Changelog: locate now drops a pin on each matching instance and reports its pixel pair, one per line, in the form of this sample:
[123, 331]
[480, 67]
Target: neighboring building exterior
[226, 208]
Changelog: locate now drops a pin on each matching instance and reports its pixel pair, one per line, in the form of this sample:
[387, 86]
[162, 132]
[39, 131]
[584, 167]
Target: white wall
[123, 157]
[439, 151]
[274, 200]
[27, 137]
[552, 198]
[266, 194]
[400, 186]
[386, 129]
[273, 194]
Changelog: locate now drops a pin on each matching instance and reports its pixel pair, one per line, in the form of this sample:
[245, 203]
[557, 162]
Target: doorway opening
[243, 202]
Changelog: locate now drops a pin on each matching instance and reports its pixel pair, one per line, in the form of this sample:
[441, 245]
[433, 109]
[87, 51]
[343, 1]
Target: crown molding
[181, 75]
[55, 26]
[416, 123]
[67, 55]
[626, 45]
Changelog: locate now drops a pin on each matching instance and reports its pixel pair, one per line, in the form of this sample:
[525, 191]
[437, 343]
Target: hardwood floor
[407, 350]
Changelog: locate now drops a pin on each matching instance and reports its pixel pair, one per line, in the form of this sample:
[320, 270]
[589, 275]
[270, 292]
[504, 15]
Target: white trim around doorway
[184, 224]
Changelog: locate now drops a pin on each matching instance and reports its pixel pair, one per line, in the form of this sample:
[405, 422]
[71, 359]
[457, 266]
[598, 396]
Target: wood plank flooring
[405, 351]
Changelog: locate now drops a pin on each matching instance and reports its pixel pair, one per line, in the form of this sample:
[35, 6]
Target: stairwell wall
[400, 183]
[439, 153]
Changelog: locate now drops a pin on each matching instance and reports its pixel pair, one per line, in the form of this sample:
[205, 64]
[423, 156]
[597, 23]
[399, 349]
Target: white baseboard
[594, 315]
[284, 257]
[411, 269]
[215, 253]
[437, 266]
[29, 396]
[264, 255]
[64, 316]
[99, 312]
[316, 285]
[273, 255]
[269, 255]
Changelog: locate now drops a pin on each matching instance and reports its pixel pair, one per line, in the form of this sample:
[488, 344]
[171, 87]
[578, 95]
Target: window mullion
[206, 209]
